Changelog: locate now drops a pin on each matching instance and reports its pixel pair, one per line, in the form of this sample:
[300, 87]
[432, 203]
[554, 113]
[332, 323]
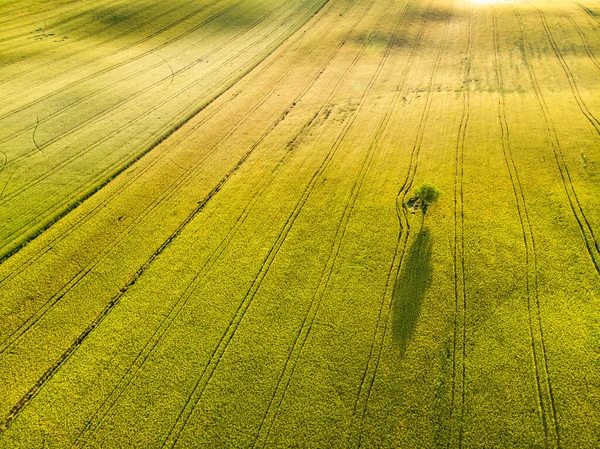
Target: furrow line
[569, 74]
[460, 290]
[116, 299]
[519, 200]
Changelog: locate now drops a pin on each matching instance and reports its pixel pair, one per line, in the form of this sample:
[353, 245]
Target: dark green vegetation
[426, 195]
[256, 279]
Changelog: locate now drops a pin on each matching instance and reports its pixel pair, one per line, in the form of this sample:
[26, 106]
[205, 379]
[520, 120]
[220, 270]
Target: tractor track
[458, 256]
[545, 397]
[587, 232]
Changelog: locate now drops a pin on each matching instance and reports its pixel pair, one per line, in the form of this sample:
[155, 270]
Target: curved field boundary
[380, 331]
[545, 397]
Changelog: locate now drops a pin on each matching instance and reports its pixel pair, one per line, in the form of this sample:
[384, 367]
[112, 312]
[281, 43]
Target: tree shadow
[410, 289]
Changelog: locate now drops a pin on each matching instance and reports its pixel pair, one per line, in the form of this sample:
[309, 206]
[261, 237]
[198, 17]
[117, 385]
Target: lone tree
[427, 194]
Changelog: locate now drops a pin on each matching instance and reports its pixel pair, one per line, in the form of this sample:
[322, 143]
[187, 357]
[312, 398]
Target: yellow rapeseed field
[254, 267]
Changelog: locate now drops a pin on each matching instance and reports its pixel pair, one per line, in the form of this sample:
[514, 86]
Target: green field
[219, 249]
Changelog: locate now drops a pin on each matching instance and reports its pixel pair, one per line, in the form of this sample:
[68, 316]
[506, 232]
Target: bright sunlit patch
[487, 2]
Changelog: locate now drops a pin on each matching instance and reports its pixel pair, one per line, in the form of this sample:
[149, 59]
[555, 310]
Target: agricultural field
[209, 240]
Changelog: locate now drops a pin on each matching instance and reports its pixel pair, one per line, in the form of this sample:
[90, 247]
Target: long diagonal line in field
[183, 135]
[115, 300]
[115, 5]
[380, 331]
[279, 392]
[587, 232]
[190, 290]
[15, 335]
[10, 13]
[545, 397]
[137, 74]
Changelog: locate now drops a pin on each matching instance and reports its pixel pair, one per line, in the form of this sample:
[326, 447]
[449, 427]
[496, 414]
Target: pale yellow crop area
[248, 271]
